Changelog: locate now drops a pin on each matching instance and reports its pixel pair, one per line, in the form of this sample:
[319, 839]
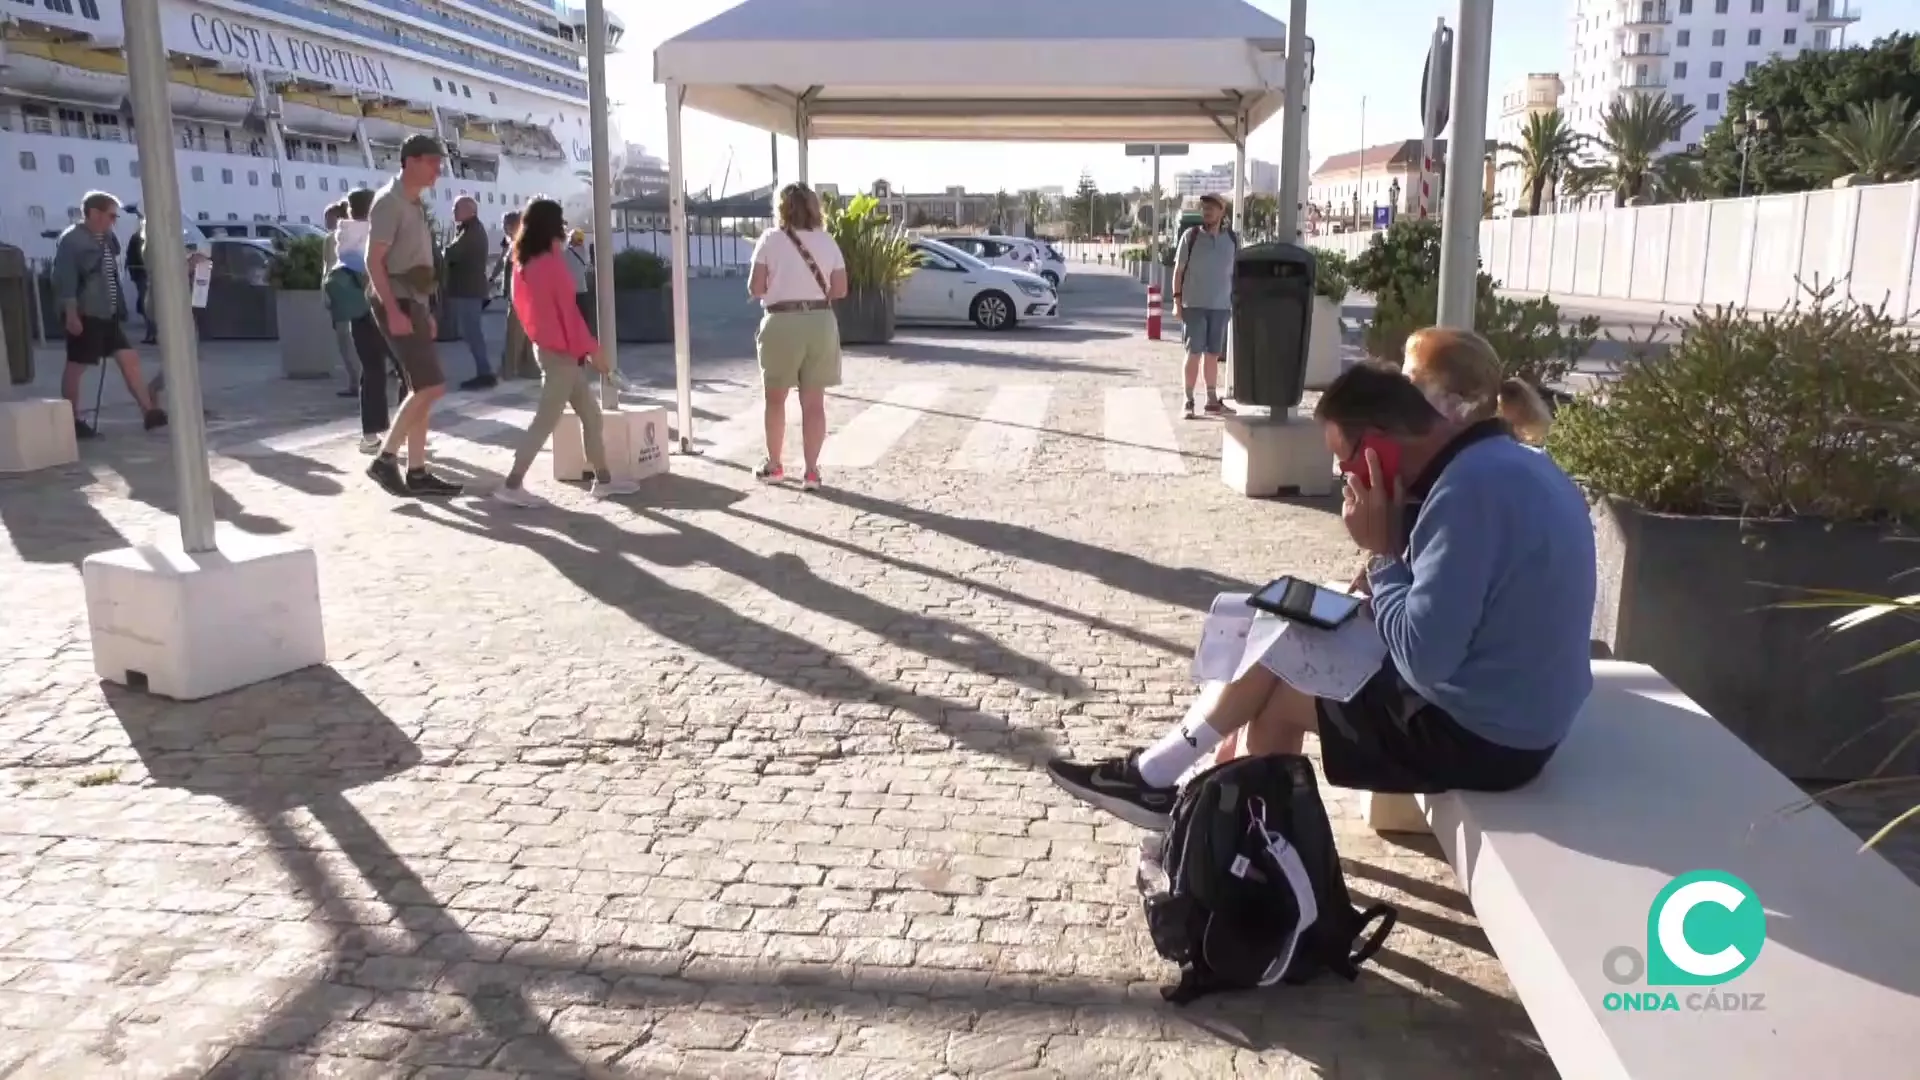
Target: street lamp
[1746, 127]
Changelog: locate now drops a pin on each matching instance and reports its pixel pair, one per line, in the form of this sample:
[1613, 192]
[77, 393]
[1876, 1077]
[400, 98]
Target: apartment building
[1263, 178]
[1691, 50]
[1531, 95]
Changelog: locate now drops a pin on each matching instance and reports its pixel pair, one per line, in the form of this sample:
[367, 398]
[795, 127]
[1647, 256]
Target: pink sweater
[543, 298]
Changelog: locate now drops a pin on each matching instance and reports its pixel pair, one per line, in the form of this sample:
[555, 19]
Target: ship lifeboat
[478, 141]
[389, 125]
[72, 71]
[319, 114]
[205, 93]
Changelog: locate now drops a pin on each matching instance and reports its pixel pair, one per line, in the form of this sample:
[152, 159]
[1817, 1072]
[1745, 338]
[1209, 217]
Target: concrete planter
[643, 316]
[865, 316]
[239, 311]
[308, 348]
[1323, 347]
[1692, 598]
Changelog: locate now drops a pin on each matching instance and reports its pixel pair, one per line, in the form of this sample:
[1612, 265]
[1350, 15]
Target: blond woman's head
[799, 208]
[1461, 374]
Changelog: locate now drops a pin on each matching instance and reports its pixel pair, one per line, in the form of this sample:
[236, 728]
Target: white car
[1014, 253]
[949, 286]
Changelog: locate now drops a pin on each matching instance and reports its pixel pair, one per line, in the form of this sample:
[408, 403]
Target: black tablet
[1305, 602]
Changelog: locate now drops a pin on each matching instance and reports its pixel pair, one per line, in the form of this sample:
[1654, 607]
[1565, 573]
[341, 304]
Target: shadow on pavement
[929, 352]
[49, 517]
[600, 558]
[1179, 586]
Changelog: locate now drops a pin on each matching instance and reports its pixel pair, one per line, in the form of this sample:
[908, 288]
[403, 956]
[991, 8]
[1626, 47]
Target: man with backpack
[1203, 297]
[1483, 596]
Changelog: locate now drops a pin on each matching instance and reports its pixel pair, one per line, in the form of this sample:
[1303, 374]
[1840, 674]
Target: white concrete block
[1278, 455]
[35, 434]
[1323, 349]
[1393, 813]
[636, 446]
[198, 625]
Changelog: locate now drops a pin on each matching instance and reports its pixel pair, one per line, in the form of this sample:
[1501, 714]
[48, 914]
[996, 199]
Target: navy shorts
[1206, 330]
[1390, 739]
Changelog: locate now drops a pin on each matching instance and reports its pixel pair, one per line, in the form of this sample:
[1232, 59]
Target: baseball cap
[1214, 200]
[421, 146]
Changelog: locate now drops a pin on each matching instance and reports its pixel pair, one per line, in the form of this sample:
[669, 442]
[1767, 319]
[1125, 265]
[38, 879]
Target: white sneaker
[613, 489]
[520, 497]
[370, 444]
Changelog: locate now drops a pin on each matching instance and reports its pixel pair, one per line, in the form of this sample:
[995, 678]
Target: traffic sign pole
[1292, 136]
[1466, 153]
[1433, 110]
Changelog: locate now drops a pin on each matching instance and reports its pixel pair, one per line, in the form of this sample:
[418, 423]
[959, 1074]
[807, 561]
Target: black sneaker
[426, 485]
[1115, 786]
[386, 472]
[1216, 407]
[1189, 414]
[155, 418]
[84, 430]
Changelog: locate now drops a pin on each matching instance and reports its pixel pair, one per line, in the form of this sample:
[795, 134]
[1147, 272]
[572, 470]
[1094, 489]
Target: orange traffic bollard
[1153, 313]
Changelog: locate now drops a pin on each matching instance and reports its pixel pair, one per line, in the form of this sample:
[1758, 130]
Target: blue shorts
[1206, 331]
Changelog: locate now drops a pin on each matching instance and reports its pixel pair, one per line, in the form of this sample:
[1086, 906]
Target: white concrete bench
[1564, 873]
[35, 434]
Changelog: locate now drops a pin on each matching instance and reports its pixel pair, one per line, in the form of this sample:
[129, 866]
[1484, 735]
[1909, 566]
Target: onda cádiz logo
[1703, 930]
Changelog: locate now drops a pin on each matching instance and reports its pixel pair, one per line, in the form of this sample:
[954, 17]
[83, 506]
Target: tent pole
[597, 108]
[800, 126]
[677, 218]
[1292, 136]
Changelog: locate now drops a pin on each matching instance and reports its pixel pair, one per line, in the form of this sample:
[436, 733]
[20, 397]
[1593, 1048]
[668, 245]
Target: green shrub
[1399, 260]
[299, 264]
[877, 254]
[1332, 272]
[1528, 335]
[1804, 414]
[637, 271]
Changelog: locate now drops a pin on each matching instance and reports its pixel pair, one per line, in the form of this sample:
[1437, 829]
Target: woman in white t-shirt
[798, 272]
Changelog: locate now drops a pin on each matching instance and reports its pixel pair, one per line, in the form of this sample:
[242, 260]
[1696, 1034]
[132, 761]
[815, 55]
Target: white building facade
[1263, 178]
[1529, 96]
[1691, 50]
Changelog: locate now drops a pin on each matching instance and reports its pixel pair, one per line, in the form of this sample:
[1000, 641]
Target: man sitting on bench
[1485, 610]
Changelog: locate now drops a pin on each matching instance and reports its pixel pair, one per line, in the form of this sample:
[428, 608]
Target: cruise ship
[281, 107]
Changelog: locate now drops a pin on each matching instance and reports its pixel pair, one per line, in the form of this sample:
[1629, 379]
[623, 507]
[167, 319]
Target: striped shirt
[110, 268]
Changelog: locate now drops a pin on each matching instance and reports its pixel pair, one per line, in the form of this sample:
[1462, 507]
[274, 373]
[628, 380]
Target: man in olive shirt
[1203, 296]
[400, 274]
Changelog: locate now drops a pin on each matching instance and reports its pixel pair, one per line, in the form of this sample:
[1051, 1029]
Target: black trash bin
[1272, 320]
[16, 313]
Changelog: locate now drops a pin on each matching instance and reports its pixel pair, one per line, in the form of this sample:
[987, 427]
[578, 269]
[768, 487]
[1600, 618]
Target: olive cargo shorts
[799, 349]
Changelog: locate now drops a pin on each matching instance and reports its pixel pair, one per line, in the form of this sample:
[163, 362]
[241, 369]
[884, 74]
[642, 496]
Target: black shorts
[1390, 739]
[97, 340]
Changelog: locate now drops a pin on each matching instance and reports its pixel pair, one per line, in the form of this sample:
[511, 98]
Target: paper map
[1331, 664]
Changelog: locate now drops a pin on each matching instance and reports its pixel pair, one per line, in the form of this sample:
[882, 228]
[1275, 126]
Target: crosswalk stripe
[1139, 433]
[863, 442]
[1006, 435]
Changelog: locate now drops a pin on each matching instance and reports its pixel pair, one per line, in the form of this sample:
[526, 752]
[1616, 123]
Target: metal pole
[773, 147]
[602, 200]
[1292, 137]
[800, 126]
[1360, 186]
[1156, 218]
[1465, 176]
[1430, 119]
[166, 258]
[677, 223]
[6, 360]
[1745, 142]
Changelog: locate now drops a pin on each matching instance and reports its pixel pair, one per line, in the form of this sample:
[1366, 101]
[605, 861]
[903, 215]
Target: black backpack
[1248, 890]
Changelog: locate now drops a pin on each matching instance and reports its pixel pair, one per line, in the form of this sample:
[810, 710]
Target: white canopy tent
[993, 70]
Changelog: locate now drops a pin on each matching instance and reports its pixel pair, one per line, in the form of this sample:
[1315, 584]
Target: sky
[1363, 51]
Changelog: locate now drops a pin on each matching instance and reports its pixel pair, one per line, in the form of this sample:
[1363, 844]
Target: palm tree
[1035, 205]
[1547, 149]
[1002, 202]
[1263, 214]
[1680, 179]
[1631, 135]
[1878, 143]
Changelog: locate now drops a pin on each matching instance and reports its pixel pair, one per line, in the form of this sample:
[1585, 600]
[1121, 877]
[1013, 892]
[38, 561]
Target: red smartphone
[1383, 448]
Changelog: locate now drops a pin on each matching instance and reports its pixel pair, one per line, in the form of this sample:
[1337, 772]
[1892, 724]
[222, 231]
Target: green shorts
[799, 349]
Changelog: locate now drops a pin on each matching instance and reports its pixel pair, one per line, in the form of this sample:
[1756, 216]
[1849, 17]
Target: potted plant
[307, 344]
[1330, 288]
[642, 297]
[878, 260]
[1758, 456]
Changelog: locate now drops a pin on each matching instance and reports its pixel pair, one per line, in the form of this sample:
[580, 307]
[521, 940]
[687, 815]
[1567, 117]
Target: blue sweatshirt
[1490, 615]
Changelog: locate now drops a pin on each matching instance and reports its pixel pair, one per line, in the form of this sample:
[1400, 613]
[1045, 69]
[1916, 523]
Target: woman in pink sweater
[543, 301]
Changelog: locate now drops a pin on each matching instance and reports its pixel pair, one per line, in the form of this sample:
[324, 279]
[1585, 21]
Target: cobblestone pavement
[724, 781]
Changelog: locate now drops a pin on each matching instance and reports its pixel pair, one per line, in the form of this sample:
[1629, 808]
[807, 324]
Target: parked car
[1015, 253]
[948, 285]
[270, 231]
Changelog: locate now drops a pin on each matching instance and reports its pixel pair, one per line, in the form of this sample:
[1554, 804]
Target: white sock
[1163, 763]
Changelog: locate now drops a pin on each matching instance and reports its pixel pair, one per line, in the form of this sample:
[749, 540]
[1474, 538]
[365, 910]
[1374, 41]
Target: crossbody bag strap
[819, 278]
